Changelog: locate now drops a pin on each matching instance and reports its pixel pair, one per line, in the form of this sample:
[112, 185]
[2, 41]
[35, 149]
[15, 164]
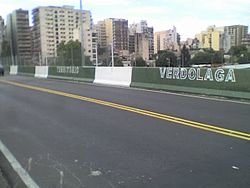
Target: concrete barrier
[13, 69]
[26, 70]
[240, 66]
[221, 82]
[120, 76]
[41, 71]
[85, 74]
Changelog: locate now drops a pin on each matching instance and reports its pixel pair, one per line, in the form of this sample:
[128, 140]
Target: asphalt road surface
[72, 135]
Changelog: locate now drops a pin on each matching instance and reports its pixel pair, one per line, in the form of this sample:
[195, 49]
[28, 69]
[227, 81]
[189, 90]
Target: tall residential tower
[53, 25]
[18, 34]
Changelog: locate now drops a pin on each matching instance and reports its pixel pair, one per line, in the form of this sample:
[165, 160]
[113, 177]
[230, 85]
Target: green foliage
[140, 62]
[201, 58]
[166, 59]
[118, 62]
[208, 56]
[239, 54]
[6, 50]
[69, 54]
[218, 57]
[238, 50]
[185, 56]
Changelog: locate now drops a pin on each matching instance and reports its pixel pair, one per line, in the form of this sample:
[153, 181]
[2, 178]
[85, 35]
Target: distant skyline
[188, 16]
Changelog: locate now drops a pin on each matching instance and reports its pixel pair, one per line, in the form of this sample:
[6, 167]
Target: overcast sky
[189, 16]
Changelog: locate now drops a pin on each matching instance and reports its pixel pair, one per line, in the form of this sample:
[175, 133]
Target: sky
[188, 16]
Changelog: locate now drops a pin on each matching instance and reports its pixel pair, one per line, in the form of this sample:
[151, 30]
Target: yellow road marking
[198, 125]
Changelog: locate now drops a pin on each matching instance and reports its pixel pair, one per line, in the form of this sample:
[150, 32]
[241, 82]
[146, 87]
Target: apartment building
[53, 25]
[142, 45]
[246, 42]
[18, 34]
[1, 33]
[117, 34]
[151, 42]
[212, 38]
[113, 31]
[166, 40]
[234, 35]
[101, 33]
[222, 38]
[141, 40]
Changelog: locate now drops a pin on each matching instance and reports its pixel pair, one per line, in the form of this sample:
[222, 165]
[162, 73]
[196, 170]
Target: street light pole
[81, 34]
[112, 53]
[96, 56]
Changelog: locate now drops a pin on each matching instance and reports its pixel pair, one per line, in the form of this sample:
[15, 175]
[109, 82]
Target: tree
[208, 56]
[185, 56]
[238, 50]
[118, 62]
[140, 62]
[5, 56]
[218, 57]
[70, 54]
[6, 50]
[239, 54]
[165, 59]
[201, 58]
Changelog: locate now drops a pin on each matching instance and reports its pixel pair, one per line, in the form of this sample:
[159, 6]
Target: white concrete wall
[41, 71]
[119, 76]
[240, 66]
[13, 69]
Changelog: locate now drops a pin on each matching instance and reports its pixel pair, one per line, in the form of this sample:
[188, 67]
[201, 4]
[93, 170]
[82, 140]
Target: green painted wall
[26, 70]
[85, 74]
[151, 78]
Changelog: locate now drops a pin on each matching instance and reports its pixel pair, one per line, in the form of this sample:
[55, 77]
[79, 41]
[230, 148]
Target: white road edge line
[23, 174]
[212, 98]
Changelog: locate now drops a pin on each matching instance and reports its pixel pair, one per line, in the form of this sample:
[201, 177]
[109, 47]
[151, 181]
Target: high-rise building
[212, 38]
[101, 33]
[117, 34]
[113, 31]
[151, 42]
[131, 43]
[246, 42]
[53, 25]
[166, 40]
[142, 45]
[1, 33]
[222, 38]
[18, 34]
[141, 40]
[234, 35]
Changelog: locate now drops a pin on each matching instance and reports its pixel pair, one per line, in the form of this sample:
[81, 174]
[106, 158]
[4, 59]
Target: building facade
[101, 33]
[113, 31]
[222, 38]
[142, 45]
[18, 33]
[141, 40]
[213, 38]
[166, 40]
[246, 42]
[234, 35]
[117, 34]
[2, 28]
[53, 25]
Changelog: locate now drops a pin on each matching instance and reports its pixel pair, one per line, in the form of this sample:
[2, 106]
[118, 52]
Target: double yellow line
[189, 123]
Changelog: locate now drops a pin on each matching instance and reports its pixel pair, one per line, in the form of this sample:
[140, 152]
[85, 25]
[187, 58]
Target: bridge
[76, 134]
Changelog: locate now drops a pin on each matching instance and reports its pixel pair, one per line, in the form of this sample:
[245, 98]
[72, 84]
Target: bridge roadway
[72, 135]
